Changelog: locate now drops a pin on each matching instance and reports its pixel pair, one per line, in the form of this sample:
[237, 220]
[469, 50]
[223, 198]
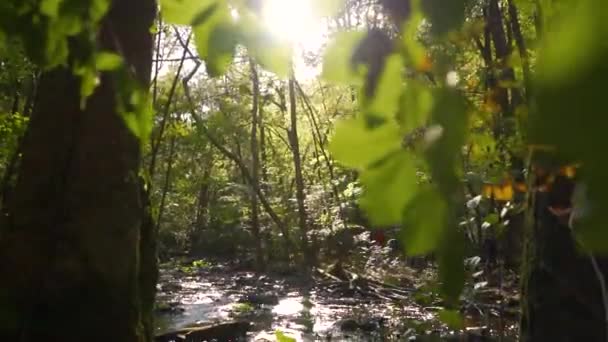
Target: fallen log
[221, 332]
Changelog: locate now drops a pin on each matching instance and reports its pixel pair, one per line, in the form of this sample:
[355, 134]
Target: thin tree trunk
[16, 98]
[70, 251]
[299, 179]
[28, 105]
[244, 170]
[166, 183]
[203, 200]
[255, 174]
[330, 168]
[521, 47]
[263, 153]
[155, 144]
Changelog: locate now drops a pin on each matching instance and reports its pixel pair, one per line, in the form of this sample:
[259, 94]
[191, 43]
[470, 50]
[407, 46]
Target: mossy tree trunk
[561, 294]
[77, 247]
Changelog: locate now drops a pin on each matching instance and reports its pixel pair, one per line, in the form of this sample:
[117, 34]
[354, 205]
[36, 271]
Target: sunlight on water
[288, 306]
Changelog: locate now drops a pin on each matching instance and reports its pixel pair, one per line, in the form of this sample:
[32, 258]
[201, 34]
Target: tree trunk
[166, 183]
[299, 179]
[235, 157]
[255, 174]
[70, 250]
[561, 292]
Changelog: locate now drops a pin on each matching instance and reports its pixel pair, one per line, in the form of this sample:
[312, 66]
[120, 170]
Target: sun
[294, 21]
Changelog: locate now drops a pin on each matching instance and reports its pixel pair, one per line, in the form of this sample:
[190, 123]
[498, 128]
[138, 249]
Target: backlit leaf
[106, 61]
[223, 41]
[424, 220]
[337, 66]
[358, 146]
[50, 7]
[203, 31]
[183, 12]
[385, 102]
[281, 337]
[416, 105]
[387, 188]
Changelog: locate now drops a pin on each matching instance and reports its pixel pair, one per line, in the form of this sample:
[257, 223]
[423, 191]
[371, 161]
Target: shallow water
[300, 309]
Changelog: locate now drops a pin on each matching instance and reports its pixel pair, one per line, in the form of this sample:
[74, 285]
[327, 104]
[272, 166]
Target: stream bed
[191, 295]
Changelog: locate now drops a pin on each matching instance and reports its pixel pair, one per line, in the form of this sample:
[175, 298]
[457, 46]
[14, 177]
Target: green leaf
[572, 83]
[415, 108]
[203, 31]
[222, 44]
[50, 8]
[444, 15]
[274, 56]
[356, 145]
[328, 8]
[56, 52]
[88, 81]
[139, 119]
[415, 50]
[98, 9]
[183, 12]
[444, 154]
[450, 257]
[424, 221]
[452, 318]
[388, 188]
[107, 61]
[385, 102]
[581, 36]
[281, 337]
[492, 219]
[337, 60]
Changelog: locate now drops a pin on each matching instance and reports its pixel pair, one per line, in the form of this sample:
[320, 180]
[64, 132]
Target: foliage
[407, 122]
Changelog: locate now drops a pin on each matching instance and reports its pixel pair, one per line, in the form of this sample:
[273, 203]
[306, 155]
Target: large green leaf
[424, 221]
[337, 60]
[444, 153]
[415, 107]
[183, 12]
[222, 44]
[218, 14]
[385, 102]
[571, 106]
[272, 54]
[388, 188]
[450, 257]
[356, 145]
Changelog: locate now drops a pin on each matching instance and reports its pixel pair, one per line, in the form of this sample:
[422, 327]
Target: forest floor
[328, 307]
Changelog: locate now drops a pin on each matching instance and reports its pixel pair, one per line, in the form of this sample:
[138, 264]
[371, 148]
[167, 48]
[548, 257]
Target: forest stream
[198, 294]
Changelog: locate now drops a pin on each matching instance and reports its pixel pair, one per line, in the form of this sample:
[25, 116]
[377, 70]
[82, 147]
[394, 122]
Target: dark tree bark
[71, 249]
[561, 293]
